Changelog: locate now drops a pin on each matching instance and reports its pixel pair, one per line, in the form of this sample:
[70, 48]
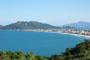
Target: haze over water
[41, 43]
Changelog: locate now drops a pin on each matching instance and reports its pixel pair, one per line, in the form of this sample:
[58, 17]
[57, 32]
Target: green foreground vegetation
[80, 52]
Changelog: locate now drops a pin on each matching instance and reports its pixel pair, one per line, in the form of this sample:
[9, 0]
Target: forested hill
[29, 25]
[80, 52]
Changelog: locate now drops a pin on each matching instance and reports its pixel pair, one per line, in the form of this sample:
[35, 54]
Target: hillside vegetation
[28, 25]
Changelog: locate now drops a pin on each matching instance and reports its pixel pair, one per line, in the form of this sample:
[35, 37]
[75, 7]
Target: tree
[30, 56]
[19, 55]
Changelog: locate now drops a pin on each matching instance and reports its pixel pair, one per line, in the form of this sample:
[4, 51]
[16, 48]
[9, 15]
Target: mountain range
[81, 25]
[1, 26]
[37, 25]
[28, 25]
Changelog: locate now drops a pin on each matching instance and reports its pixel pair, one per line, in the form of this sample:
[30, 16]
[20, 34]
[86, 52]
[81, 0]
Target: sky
[55, 12]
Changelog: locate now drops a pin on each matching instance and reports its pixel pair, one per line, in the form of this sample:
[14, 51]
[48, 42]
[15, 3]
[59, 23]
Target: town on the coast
[69, 31]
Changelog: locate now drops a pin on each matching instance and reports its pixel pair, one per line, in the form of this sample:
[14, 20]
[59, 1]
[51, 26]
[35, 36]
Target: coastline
[79, 35]
[84, 36]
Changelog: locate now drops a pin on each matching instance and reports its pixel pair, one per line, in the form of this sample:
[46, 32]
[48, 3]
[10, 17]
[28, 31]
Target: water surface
[41, 43]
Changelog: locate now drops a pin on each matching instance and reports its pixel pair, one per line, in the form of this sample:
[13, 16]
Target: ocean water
[41, 43]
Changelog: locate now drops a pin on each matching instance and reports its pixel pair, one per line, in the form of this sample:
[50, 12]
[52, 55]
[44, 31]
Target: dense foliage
[80, 52]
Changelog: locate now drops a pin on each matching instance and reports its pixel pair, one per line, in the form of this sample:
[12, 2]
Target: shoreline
[84, 36]
[79, 35]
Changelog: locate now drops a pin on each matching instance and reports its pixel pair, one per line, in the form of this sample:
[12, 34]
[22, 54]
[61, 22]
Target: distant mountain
[37, 25]
[79, 26]
[29, 25]
[1, 26]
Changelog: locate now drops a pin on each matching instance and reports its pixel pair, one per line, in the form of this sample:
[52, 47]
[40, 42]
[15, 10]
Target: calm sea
[41, 43]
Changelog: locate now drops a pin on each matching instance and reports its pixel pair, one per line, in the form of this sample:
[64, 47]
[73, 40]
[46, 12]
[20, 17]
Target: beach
[84, 36]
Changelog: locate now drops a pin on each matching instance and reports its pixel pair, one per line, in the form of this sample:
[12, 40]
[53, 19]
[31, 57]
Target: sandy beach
[85, 36]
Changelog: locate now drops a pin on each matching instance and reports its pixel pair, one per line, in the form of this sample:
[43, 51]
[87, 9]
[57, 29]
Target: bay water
[41, 43]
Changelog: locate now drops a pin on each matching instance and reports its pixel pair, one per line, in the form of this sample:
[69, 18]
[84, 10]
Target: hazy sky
[55, 12]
